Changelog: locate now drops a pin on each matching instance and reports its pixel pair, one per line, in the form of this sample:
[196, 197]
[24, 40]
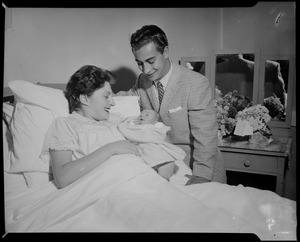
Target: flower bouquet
[227, 108]
[233, 107]
[258, 117]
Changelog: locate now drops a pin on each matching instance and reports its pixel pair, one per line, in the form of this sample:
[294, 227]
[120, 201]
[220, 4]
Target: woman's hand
[124, 147]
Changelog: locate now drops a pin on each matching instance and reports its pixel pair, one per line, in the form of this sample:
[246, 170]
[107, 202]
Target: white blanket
[152, 141]
[125, 194]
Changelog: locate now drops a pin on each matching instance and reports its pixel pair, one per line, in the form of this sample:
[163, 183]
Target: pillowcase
[7, 111]
[127, 106]
[36, 107]
[7, 146]
[13, 182]
[42, 96]
[28, 128]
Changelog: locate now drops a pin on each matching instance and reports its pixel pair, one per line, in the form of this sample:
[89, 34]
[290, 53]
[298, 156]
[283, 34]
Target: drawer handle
[247, 163]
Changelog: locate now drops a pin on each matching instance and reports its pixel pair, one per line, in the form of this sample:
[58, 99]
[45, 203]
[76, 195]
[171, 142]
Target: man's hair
[147, 34]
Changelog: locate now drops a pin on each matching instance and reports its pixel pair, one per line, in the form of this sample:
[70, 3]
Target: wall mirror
[198, 64]
[236, 70]
[277, 75]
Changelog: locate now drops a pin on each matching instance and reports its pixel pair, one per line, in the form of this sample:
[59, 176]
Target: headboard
[7, 95]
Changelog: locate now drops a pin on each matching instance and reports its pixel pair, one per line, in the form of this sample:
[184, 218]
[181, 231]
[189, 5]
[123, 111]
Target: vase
[240, 138]
[257, 138]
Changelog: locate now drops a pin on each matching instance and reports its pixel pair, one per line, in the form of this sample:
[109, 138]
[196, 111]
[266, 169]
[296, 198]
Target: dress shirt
[164, 81]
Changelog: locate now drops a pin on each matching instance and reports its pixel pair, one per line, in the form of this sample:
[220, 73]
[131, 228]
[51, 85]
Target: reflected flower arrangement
[275, 107]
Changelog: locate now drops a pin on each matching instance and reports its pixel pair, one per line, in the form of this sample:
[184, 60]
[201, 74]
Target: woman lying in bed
[73, 142]
[87, 137]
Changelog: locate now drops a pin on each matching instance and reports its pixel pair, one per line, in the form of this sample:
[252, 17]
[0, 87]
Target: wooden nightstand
[266, 158]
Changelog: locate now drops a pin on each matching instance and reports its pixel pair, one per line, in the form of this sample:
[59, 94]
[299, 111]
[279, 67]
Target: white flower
[227, 113]
[257, 116]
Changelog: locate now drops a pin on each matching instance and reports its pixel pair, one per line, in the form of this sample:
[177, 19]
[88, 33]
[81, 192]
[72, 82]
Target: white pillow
[28, 128]
[7, 111]
[36, 107]
[127, 106]
[46, 97]
[7, 146]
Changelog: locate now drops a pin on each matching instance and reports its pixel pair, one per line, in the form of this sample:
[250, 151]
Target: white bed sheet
[126, 195]
[14, 183]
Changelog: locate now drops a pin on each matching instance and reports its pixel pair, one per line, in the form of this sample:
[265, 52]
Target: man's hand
[195, 180]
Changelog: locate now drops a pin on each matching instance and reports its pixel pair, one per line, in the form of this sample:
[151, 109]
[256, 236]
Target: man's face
[151, 62]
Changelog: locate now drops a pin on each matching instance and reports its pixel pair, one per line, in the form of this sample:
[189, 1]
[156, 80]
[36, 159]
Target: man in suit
[183, 98]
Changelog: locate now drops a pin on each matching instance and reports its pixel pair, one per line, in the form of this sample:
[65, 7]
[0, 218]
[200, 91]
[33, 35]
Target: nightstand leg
[280, 176]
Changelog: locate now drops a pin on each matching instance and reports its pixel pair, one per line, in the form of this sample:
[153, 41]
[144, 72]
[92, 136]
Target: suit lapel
[153, 98]
[171, 89]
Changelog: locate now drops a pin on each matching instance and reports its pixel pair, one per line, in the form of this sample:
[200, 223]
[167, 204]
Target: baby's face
[147, 116]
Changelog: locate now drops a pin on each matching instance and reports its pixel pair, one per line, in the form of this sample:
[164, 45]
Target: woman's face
[100, 103]
[151, 62]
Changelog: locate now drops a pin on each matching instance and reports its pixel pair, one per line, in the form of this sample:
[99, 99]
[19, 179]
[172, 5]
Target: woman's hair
[147, 34]
[86, 81]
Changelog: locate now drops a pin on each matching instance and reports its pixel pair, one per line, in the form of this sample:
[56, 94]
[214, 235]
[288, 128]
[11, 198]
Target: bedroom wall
[49, 45]
[269, 26]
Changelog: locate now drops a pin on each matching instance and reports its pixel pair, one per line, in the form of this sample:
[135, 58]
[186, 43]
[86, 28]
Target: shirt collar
[165, 79]
[83, 118]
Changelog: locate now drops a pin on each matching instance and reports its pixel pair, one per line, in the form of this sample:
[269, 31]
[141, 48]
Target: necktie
[160, 89]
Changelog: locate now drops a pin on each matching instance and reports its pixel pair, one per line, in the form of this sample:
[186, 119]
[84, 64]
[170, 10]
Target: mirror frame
[256, 53]
[290, 90]
[205, 59]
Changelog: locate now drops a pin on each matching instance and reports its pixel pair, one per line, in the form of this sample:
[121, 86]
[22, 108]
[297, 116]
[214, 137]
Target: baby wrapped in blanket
[153, 143]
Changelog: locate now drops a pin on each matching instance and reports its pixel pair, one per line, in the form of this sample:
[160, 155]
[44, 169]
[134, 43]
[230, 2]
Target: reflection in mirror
[235, 72]
[276, 86]
[198, 66]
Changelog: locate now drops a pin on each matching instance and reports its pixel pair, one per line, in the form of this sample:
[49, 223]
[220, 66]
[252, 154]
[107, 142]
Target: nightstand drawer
[250, 162]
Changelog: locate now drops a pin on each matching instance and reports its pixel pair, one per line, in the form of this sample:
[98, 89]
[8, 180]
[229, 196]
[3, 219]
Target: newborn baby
[147, 116]
[148, 121]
